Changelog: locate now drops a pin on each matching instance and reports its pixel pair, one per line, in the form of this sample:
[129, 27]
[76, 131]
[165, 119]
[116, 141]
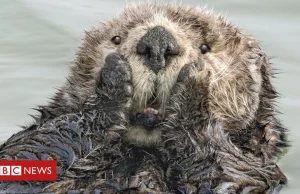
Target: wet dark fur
[195, 154]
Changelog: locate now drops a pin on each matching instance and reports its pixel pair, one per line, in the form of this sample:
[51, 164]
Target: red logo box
[35, 170]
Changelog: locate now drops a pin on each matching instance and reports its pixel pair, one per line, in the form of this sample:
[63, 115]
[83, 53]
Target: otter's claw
[114, 92]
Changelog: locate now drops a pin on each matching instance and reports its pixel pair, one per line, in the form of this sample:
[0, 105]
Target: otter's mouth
[152, 105]
[149, 118]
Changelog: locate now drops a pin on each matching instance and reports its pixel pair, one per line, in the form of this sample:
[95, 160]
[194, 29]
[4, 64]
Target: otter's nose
[157, 46]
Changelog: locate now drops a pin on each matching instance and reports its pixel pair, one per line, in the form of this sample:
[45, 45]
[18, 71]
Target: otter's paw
[116, 71]
[188, 72]
[185, 82]
[113, 98]
[186, 96]
[114, 82]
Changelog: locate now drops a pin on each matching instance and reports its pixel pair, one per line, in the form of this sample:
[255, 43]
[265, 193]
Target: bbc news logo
[19, 170]
[38, 170]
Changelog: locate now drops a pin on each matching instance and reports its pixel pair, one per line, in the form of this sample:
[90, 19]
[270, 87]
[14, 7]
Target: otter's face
[157, 41]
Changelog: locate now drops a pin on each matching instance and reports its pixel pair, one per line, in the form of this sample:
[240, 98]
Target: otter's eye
[116, 40]
[204, 48]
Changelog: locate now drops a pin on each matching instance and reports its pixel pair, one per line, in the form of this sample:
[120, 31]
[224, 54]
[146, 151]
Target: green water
[38, 39]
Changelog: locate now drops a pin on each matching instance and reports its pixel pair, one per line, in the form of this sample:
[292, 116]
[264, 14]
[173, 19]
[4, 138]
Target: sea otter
[161, 99]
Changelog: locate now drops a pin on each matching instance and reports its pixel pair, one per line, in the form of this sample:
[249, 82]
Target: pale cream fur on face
[145, 81]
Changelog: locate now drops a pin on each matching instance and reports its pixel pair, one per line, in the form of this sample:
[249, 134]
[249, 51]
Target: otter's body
[163, 99]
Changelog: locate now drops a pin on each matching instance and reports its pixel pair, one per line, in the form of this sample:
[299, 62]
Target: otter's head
[157, 41]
